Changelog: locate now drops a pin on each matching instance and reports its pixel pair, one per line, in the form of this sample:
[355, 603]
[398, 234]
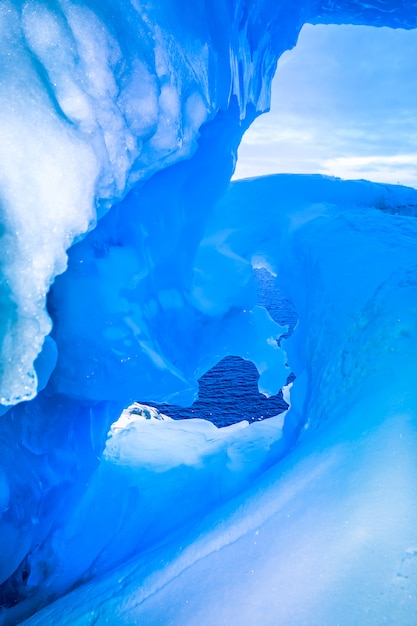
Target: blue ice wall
[119, 128]
[326, 532]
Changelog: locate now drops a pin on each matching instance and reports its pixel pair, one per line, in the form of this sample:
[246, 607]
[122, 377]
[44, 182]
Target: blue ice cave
[130, 267]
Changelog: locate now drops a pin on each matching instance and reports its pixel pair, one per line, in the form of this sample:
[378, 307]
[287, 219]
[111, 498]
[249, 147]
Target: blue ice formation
[127, 272]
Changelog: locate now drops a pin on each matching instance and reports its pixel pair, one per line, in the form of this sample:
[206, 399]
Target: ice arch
[129, 114]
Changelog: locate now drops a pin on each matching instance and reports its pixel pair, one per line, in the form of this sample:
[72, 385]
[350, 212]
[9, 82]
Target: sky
[344, 103]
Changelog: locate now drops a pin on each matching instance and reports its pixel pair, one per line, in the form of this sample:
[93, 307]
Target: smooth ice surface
[155, 476]
[126, 275]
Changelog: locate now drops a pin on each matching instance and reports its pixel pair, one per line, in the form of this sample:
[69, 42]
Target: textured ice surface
[328, 534]
[119, 127]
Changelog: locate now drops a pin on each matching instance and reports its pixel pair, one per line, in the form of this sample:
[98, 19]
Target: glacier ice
[328, 532]
[127, 272]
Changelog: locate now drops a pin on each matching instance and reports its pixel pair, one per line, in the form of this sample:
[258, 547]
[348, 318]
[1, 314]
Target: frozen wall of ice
[119, 128]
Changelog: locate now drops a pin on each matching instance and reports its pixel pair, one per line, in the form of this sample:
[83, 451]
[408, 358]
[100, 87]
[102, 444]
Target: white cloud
[343, 103]
[389, 169]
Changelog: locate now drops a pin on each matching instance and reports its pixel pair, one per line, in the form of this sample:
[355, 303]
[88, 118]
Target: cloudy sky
[344, 103]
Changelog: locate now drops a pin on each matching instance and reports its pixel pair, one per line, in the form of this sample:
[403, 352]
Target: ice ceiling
[126, 265]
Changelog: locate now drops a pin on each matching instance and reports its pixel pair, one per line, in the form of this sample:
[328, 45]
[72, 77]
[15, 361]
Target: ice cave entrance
[343, 104]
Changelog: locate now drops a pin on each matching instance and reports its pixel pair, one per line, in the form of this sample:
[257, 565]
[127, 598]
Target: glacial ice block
[128, 115]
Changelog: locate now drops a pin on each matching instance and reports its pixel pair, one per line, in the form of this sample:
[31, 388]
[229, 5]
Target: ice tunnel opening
[343, 104]
[228, 392]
